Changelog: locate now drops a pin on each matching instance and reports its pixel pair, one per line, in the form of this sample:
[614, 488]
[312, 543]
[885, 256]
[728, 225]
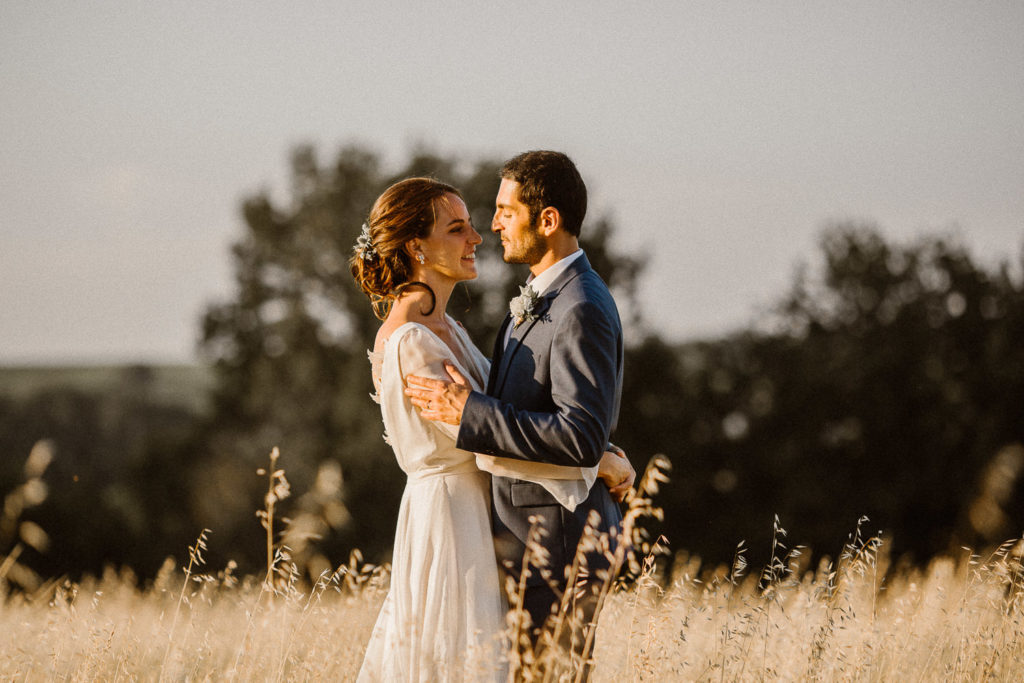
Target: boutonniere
[521, 307]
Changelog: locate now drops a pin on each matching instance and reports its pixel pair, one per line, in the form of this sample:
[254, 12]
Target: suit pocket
[526, 494]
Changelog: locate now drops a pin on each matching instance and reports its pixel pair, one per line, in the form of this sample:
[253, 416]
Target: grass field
[954, 620]
[852, 619]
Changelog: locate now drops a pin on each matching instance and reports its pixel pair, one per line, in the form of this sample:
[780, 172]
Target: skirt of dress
[443, 617]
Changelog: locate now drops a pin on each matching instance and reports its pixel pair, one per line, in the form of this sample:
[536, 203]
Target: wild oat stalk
[646, 581]
[570, 614]
[517, 620]
[737, 570]
[195, 559]
[858, 555]
[640, 506]
[277, 490]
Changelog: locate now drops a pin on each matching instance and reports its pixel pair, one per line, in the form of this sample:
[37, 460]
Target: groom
[556, 375]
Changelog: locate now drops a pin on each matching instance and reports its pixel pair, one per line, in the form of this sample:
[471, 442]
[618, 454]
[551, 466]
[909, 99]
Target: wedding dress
[443, 617]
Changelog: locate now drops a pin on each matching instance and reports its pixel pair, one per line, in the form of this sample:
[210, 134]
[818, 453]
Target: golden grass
[956, 619]
[953, 620]
[109, 629]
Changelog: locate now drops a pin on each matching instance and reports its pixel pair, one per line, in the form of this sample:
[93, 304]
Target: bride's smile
[450, 249]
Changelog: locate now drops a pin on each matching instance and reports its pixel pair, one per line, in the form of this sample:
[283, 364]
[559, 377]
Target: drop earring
[421, 258]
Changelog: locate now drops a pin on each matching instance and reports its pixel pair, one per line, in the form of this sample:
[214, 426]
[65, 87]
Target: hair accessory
[364, 245]
[421, 258]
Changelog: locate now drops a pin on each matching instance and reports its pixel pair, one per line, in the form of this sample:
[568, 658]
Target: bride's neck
[417, 304]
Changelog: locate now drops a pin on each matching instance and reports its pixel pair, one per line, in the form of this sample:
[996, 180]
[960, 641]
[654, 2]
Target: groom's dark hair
[549, 179]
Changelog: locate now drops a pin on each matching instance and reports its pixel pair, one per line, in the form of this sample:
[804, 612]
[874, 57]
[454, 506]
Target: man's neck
[555, 253]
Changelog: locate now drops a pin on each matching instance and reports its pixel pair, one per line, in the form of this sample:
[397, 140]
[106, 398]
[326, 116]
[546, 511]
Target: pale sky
[720, 136]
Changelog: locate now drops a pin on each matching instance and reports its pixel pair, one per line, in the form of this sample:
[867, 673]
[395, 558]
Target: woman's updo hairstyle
[380, 264]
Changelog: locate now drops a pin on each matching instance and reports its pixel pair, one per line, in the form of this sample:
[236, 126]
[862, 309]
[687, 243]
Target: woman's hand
[616, 472]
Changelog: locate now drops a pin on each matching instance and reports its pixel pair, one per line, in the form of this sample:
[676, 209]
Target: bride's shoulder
[405, 334]
[384, 332]
[399, 321]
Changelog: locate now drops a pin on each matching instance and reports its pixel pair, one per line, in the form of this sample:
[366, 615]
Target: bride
[443, 617]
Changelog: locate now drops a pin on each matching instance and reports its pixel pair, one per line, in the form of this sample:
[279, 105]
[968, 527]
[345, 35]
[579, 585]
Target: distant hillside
[186, 386]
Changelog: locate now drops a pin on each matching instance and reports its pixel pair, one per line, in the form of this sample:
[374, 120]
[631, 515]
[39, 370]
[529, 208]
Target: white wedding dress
[443, 617]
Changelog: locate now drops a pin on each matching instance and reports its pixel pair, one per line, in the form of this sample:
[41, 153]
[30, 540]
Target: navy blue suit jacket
[552, 396]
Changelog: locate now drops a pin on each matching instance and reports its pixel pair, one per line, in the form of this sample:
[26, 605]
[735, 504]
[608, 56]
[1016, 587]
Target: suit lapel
[496, 383]
[515, 342]
[498, 356]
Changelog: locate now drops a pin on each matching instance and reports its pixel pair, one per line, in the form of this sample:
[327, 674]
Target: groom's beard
[529, 248]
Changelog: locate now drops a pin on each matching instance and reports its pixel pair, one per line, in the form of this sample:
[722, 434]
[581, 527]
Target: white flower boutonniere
[521, 307]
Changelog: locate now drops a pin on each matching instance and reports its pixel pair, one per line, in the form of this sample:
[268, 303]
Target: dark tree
[887, 384]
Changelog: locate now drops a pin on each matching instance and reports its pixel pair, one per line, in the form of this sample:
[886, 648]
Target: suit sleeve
[585, 368]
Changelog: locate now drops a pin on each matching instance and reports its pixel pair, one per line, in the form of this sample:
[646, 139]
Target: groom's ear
[549, 221]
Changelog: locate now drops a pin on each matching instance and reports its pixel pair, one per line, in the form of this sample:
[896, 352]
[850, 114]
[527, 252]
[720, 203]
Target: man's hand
[616, 472]
[438, 399]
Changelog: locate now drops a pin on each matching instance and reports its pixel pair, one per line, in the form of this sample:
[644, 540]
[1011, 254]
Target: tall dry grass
[854, 619]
